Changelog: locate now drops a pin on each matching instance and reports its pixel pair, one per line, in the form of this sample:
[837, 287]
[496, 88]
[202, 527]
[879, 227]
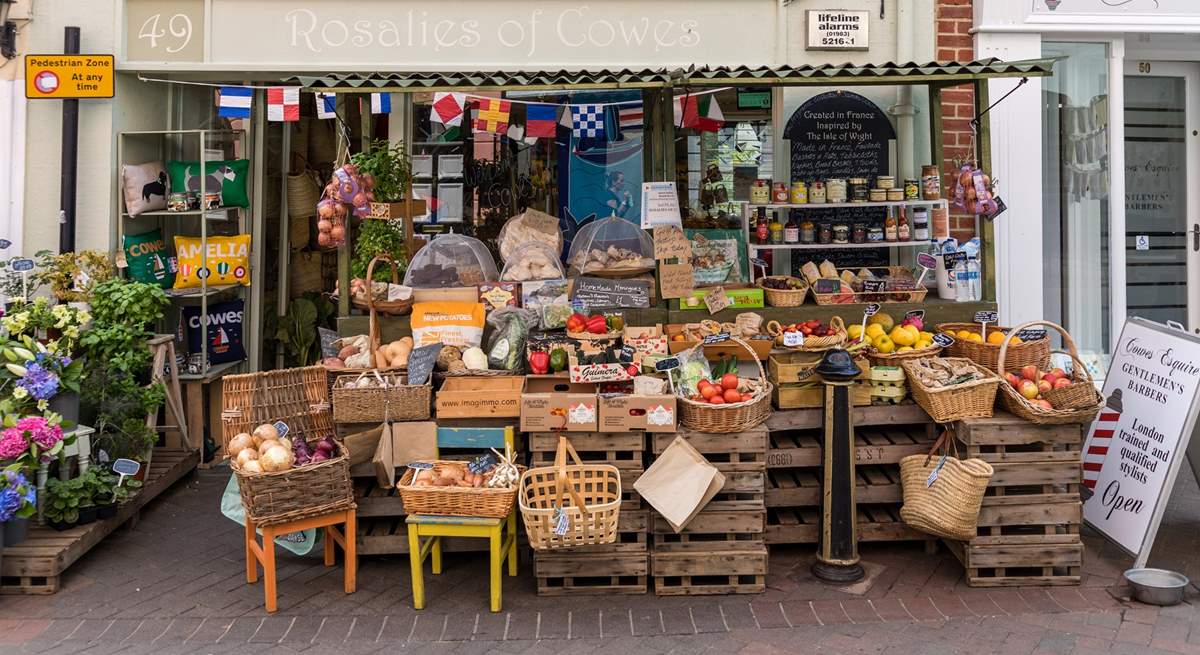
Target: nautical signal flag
[588, 121]
[283, 103]
[235, 102]
[447, 108]
[541, 120]
[381, 103]
[630, 117]
[700, 113]
[326, 105]
[493, 116]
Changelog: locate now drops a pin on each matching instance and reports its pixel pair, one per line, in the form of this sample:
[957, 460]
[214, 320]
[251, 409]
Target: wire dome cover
[451, 260]
[529, 225]
[533, 260]
[611, 246]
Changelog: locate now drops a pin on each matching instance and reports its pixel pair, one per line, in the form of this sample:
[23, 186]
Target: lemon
[1015, 340]
[883, 320]
[974, 336]
[884, 344]
[903, 336]
[874, 331]
[904, 349]
[996, 338]
[926, 336]
[964, 334]
[923, 343]
[855, 331]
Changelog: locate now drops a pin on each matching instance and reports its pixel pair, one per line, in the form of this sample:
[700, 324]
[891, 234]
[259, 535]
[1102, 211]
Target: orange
[996, 338]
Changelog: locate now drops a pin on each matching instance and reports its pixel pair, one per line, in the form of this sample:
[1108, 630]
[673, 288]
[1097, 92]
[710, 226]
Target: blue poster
[607, 180]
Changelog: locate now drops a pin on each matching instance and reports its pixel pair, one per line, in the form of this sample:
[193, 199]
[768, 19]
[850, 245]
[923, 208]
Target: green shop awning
[825, 74]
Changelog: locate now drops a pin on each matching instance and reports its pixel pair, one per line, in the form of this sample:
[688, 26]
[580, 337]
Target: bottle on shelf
[808, 231]
[962, 282]
[776, 230]
[890, 232]
[974, 280]
[761, 230]
[920, 224]
[791, 231]
[902, 231]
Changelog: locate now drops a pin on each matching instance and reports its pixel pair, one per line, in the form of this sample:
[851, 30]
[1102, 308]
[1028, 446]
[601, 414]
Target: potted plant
[27, 442]
[378, 237]
[18, 502]
[65, 503]
[71, 275]
[110, 491]
[388, 165]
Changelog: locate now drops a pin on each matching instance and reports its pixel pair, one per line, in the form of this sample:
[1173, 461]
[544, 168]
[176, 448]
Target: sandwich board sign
[1139, 440]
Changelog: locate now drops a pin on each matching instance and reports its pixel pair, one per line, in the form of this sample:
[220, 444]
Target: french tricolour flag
[235, 102]
[381, 103]
[283, 104]
[326, 105]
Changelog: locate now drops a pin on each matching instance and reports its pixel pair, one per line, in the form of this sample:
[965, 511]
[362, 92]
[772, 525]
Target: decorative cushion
[227, 176]
[145, 187]
[224, 334]
[228, 261]
[148, 259]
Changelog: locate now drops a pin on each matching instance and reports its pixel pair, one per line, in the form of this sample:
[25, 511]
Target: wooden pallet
[801, 487]
[873, 445]
[1016, 561]
[36, 565]
[749, 447]
[624, 450]
[375, 501]
[633, 529]
[737, 570]
[802, 525]
[721, 525]
[573, 573]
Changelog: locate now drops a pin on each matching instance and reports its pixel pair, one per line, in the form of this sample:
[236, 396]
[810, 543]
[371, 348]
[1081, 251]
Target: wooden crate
[736, 570]
[36, 565]
[872, 445]
[624, 450]
[802, 525]
[801, 487]
[721, 525]
[633, 529]
[1014, 561]
[1007, 438]
[571, 573]
[802, 396]
[749, 447]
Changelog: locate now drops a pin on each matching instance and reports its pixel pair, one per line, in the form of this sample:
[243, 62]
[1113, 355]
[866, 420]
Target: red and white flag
[283, 104]
[447, 108]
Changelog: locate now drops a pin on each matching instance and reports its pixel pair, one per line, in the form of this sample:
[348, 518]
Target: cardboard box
[596, 373]
[550, 404]
[647, 340]
[480, 397]
[638, 413]
[400, 444]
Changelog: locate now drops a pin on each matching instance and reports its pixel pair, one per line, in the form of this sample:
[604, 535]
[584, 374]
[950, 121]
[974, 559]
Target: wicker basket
[783, 297]
[395, 402]
[987, 354]
[731, 417]
[812, 344]
[1083, 411]
[973, 399]
[588, 494]
[949, 507]
[455, 501]
[298, 493]
[297, 396]
[388, 307]
[894, 358]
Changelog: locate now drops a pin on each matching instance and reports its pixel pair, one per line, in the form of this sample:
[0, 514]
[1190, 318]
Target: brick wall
[955, 43]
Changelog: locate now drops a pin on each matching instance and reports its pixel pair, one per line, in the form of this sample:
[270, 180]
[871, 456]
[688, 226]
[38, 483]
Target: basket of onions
[281, 480]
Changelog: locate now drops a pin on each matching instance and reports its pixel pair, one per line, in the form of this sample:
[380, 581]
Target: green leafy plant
[64, 499]
[13, 285]
[72, 275]
[378, 237]
[388, 164]
[125, 302]
[297, 331]
[105, 490]
[131, 439]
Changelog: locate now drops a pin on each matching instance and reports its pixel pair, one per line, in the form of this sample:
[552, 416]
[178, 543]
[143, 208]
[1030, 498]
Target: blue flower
[40, 382]
[10, 502]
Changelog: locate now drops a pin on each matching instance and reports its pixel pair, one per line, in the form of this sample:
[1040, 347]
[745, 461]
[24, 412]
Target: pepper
[596, 325]
[577, 323]
[615, 323]
[558, 360]
[539, 362]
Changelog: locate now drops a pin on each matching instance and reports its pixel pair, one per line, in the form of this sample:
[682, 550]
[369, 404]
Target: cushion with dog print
[227, 176]
[145, 187]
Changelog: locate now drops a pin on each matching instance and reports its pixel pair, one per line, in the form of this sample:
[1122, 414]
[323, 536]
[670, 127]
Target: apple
[1029, 372]
[1044, 386]
[1012, 379]
[1058, 373]
[1029, 389]
[1061, 382]
[1044, 404]
[1050, 377]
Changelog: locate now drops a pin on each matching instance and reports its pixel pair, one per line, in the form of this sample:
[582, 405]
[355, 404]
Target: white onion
[247, 455]
[276, 459]
[239, 443]
[252, 466]
[264, 432]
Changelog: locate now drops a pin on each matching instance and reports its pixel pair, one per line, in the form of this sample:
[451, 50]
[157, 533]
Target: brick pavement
[175, 584]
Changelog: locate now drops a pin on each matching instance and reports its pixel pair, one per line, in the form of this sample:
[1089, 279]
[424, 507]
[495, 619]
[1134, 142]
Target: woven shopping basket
[813, 344]
[587, 495]
[1080, 403]
[397, 401]
[974, 399]
[945, 505]
[485, 502]
[986, 354]
[729, 417]
[783, 297]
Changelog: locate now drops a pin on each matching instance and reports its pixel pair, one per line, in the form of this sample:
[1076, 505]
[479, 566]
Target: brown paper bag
[679, 483]
[361, 446]
[401, 444]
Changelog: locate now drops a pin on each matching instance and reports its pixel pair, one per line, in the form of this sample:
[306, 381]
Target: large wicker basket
[271, 498]
[455, 501]
[730, 417]
[783, 297]
[389, 307]
[987, 354]
[297, 396]
[813, 344]
[1076, 409]
[947, 506]
[589, 495]
[395, 402]
[973, 399]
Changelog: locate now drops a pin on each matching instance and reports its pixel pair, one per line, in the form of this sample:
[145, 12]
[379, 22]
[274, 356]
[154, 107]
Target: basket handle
[1067, 340]
[560, 473]
[837, 324]
[945, 442]
[1078, 366]
[373, 332]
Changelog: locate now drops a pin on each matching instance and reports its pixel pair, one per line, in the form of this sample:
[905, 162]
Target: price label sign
[5, 244]
[667, 364]
[943, 340]
[825, 285]
[926, 260]
[716, 300]
[872, 309]
[1031, 334]
[986, 317]
[125, 468]
[22, 265]
[421, 361]
[627, 353]
[874, 286]
[793, 339]
[420, 466]
[282, 428]
[716, 338]
[759, 262]
[916, 313]
[952, 259]
[482, 464]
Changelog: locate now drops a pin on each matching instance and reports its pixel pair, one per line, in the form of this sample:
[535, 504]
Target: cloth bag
[679, 483]
[300, 543]
[942, 496]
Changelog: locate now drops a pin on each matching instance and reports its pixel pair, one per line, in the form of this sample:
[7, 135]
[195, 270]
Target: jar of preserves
[885, 182]
[912, 189]
[808, 231]
[799, 193]
[931, 183]
[781, 193]
[816, 192]
[835, 190]
[875, 234]
[841, 233]
[858, 234]
[825, 233]
[878, 195]
[858, 189]
[760, 193]
[895, 195]
[776, 231]
[920, 223]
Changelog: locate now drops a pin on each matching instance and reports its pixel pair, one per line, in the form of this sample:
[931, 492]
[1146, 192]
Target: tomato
[732, 396]
[702, 384]
[729, 381]
[709, 391]
[716, 400]
[813, 323]
[807, 331]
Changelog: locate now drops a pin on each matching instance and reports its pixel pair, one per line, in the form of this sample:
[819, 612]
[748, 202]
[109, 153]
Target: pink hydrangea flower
[12, 444]
[40, 431]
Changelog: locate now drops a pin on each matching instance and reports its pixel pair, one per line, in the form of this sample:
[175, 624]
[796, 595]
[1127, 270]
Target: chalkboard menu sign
[841, 134]
[597, 293]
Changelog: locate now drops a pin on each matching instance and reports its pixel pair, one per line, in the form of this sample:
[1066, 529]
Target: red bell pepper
[597, 325]
[577, 323]
[539, 362]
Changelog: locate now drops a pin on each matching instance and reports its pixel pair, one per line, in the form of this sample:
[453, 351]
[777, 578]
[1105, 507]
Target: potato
[264, 432]
[347, 351]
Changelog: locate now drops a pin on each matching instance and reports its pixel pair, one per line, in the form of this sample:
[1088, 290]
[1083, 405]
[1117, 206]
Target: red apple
[1029, 389]
[1044, 404]
[1012, 379]
[1058, 373]
[1044, 386]
[1030, 372]
[1050, 377]
[1061, 382]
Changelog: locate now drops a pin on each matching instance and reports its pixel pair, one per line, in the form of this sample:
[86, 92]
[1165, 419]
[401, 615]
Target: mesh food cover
[533, 260]
[451, 260]
[529, 225]
[612, 246]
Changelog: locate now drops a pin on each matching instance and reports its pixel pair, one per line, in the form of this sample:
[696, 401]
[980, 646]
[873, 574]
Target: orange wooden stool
[265, 554]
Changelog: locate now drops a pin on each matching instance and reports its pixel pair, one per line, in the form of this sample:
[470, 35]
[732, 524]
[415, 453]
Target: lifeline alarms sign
[838, 29]
[60, 77]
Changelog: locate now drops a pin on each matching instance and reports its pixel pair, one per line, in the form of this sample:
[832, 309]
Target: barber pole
[1103, 430]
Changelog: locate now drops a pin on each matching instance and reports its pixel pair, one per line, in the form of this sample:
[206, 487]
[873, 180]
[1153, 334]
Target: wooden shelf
[839, 246]
[851, 205]
[215, 371]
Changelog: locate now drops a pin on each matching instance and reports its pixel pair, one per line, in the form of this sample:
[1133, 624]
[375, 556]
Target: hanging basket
[730, 417]
[588, 495]
[388, 307]
[947, 506]
[1081, 405]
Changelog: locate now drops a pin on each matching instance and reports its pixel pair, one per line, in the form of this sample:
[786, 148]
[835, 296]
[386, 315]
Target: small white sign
[1142, 241]
[838, 29]
[660, 205]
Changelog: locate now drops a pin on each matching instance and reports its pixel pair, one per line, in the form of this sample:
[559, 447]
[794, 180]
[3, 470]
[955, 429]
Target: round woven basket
[975, 399]
[783, 297]
[388, 307]
[812, 344]
[1021, 406]
[987, 354]
[731, 417]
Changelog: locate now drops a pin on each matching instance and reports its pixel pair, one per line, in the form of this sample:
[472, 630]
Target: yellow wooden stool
[501, 547]
[265, 553]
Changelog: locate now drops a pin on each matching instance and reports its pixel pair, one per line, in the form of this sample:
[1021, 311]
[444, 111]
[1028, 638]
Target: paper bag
[361, 446]
[679, 483]
[400, 444]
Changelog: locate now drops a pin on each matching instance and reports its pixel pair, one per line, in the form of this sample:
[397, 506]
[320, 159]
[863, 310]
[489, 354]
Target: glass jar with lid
[841, 233]
[808, 231]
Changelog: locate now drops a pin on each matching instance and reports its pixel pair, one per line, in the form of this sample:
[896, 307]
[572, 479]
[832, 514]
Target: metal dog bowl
[1157, 586]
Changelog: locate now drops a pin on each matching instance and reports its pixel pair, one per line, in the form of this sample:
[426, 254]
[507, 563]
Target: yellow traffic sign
[69, 76]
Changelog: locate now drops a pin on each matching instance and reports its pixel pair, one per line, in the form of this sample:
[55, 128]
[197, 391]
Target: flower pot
[108, 511]
[66, 403]
[60, 526]
[86, 515]
[15, 531]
